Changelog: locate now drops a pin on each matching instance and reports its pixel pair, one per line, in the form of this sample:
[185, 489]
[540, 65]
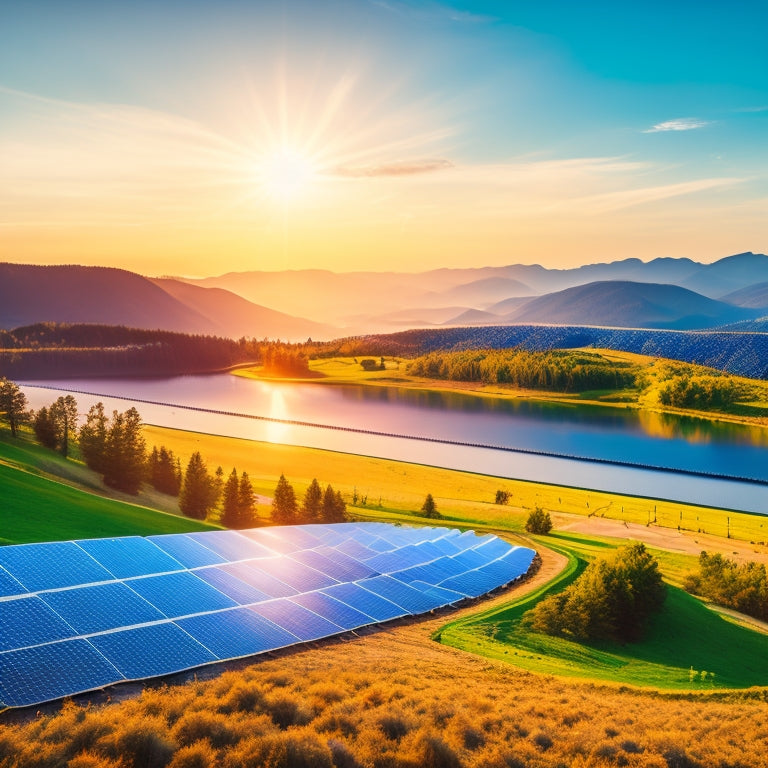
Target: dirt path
[688, 542]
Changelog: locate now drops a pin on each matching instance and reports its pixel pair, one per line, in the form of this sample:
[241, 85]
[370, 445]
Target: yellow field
[397, 489]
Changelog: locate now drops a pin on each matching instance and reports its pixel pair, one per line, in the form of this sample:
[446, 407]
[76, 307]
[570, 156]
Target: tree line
[611, 600]
[560, 371]
[115, 448]
[88, 350]
[743, 587]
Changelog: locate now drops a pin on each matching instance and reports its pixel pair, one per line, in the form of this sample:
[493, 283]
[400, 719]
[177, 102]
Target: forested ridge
[741, 354]
[54, 349]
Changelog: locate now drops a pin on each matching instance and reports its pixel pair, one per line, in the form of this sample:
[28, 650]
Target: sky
[196, 138]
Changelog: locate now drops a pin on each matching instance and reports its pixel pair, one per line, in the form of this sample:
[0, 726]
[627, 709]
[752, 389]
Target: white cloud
[679, 124]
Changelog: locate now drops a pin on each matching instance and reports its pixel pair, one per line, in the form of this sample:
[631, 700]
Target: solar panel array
[79, 615]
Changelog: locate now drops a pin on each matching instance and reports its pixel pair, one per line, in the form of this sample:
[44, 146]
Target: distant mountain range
[75, 294]
[294, 305]
[362, 302]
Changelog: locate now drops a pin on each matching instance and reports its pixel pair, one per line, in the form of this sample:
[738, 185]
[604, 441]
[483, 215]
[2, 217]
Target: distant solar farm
[76, 616]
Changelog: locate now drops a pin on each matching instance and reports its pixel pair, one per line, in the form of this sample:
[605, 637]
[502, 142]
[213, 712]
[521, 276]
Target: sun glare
[285, 174]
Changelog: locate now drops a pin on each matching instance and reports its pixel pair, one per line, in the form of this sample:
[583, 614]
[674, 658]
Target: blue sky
[422, 133]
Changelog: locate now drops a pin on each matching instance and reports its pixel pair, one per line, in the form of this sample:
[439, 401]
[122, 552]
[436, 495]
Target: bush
[538, 521]
[502, 497]
[429, 508]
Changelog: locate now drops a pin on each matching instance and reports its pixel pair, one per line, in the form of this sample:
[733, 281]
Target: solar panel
[130, 556]
[339, 613]
[46, 672]
[190, 553]
[65, 565]
[236, 633]
[76, 616]
[101, 607]
[231, 586]
[180, 594]
[297, 620]
[29, 621]
[9, 585]
[375, 606]
[148, 651]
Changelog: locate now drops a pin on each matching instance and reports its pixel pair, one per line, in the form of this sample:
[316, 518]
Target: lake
[543, 429]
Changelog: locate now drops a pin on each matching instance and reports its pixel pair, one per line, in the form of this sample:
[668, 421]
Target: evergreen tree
[13, 404]
[246, 506]
[93, 438]
[429, 508]
[44, 428]
[164, 471]
[231, 501]
[313, 501]
[63, 414]
[284, 507]
[334, 509]
[133, 453]
[199, 493]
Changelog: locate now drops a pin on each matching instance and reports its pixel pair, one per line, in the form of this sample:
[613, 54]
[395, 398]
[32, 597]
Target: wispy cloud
[679, 124]
[404, 168]
[432, 10]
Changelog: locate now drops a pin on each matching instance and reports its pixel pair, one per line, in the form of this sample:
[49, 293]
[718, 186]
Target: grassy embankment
[752, 409]
[671, 655]
[47, 498]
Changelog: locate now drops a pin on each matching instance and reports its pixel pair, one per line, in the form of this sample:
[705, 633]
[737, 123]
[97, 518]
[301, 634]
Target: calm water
[583, 432]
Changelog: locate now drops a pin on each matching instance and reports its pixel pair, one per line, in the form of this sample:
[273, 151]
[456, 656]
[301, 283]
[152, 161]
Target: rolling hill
[235, 316]
[755, 296]
[627, 304]
[74, 294]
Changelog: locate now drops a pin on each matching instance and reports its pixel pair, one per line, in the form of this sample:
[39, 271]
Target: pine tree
[231, 501]
[133, 453]
[246, 506]
[93, 438]
[313, 501]
[334, 509]
[45, 429]
[165, 474]
[13, 404]
[284, 507]
[199, 493]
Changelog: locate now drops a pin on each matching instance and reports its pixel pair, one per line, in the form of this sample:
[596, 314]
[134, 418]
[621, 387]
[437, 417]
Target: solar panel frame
[153, 606]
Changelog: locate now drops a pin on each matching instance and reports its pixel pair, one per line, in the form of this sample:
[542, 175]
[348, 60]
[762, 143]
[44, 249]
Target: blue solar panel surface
[77, 616]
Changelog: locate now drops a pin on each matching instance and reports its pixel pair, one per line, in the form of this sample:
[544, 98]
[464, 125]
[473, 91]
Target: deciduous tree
[63, 414]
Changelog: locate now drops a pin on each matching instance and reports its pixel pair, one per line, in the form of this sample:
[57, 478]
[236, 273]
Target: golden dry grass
[462, 498]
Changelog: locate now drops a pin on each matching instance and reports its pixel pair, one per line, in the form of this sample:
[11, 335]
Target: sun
[285, 174]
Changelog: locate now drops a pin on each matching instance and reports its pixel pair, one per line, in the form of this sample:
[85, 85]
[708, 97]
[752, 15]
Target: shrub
[502, 497]
[538, 521]
[429, 508]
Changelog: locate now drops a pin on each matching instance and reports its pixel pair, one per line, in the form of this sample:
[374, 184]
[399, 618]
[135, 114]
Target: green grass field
[46, 498]
[687, 646]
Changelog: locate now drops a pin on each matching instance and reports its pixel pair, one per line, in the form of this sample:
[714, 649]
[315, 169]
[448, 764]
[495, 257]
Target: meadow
[669, 656]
